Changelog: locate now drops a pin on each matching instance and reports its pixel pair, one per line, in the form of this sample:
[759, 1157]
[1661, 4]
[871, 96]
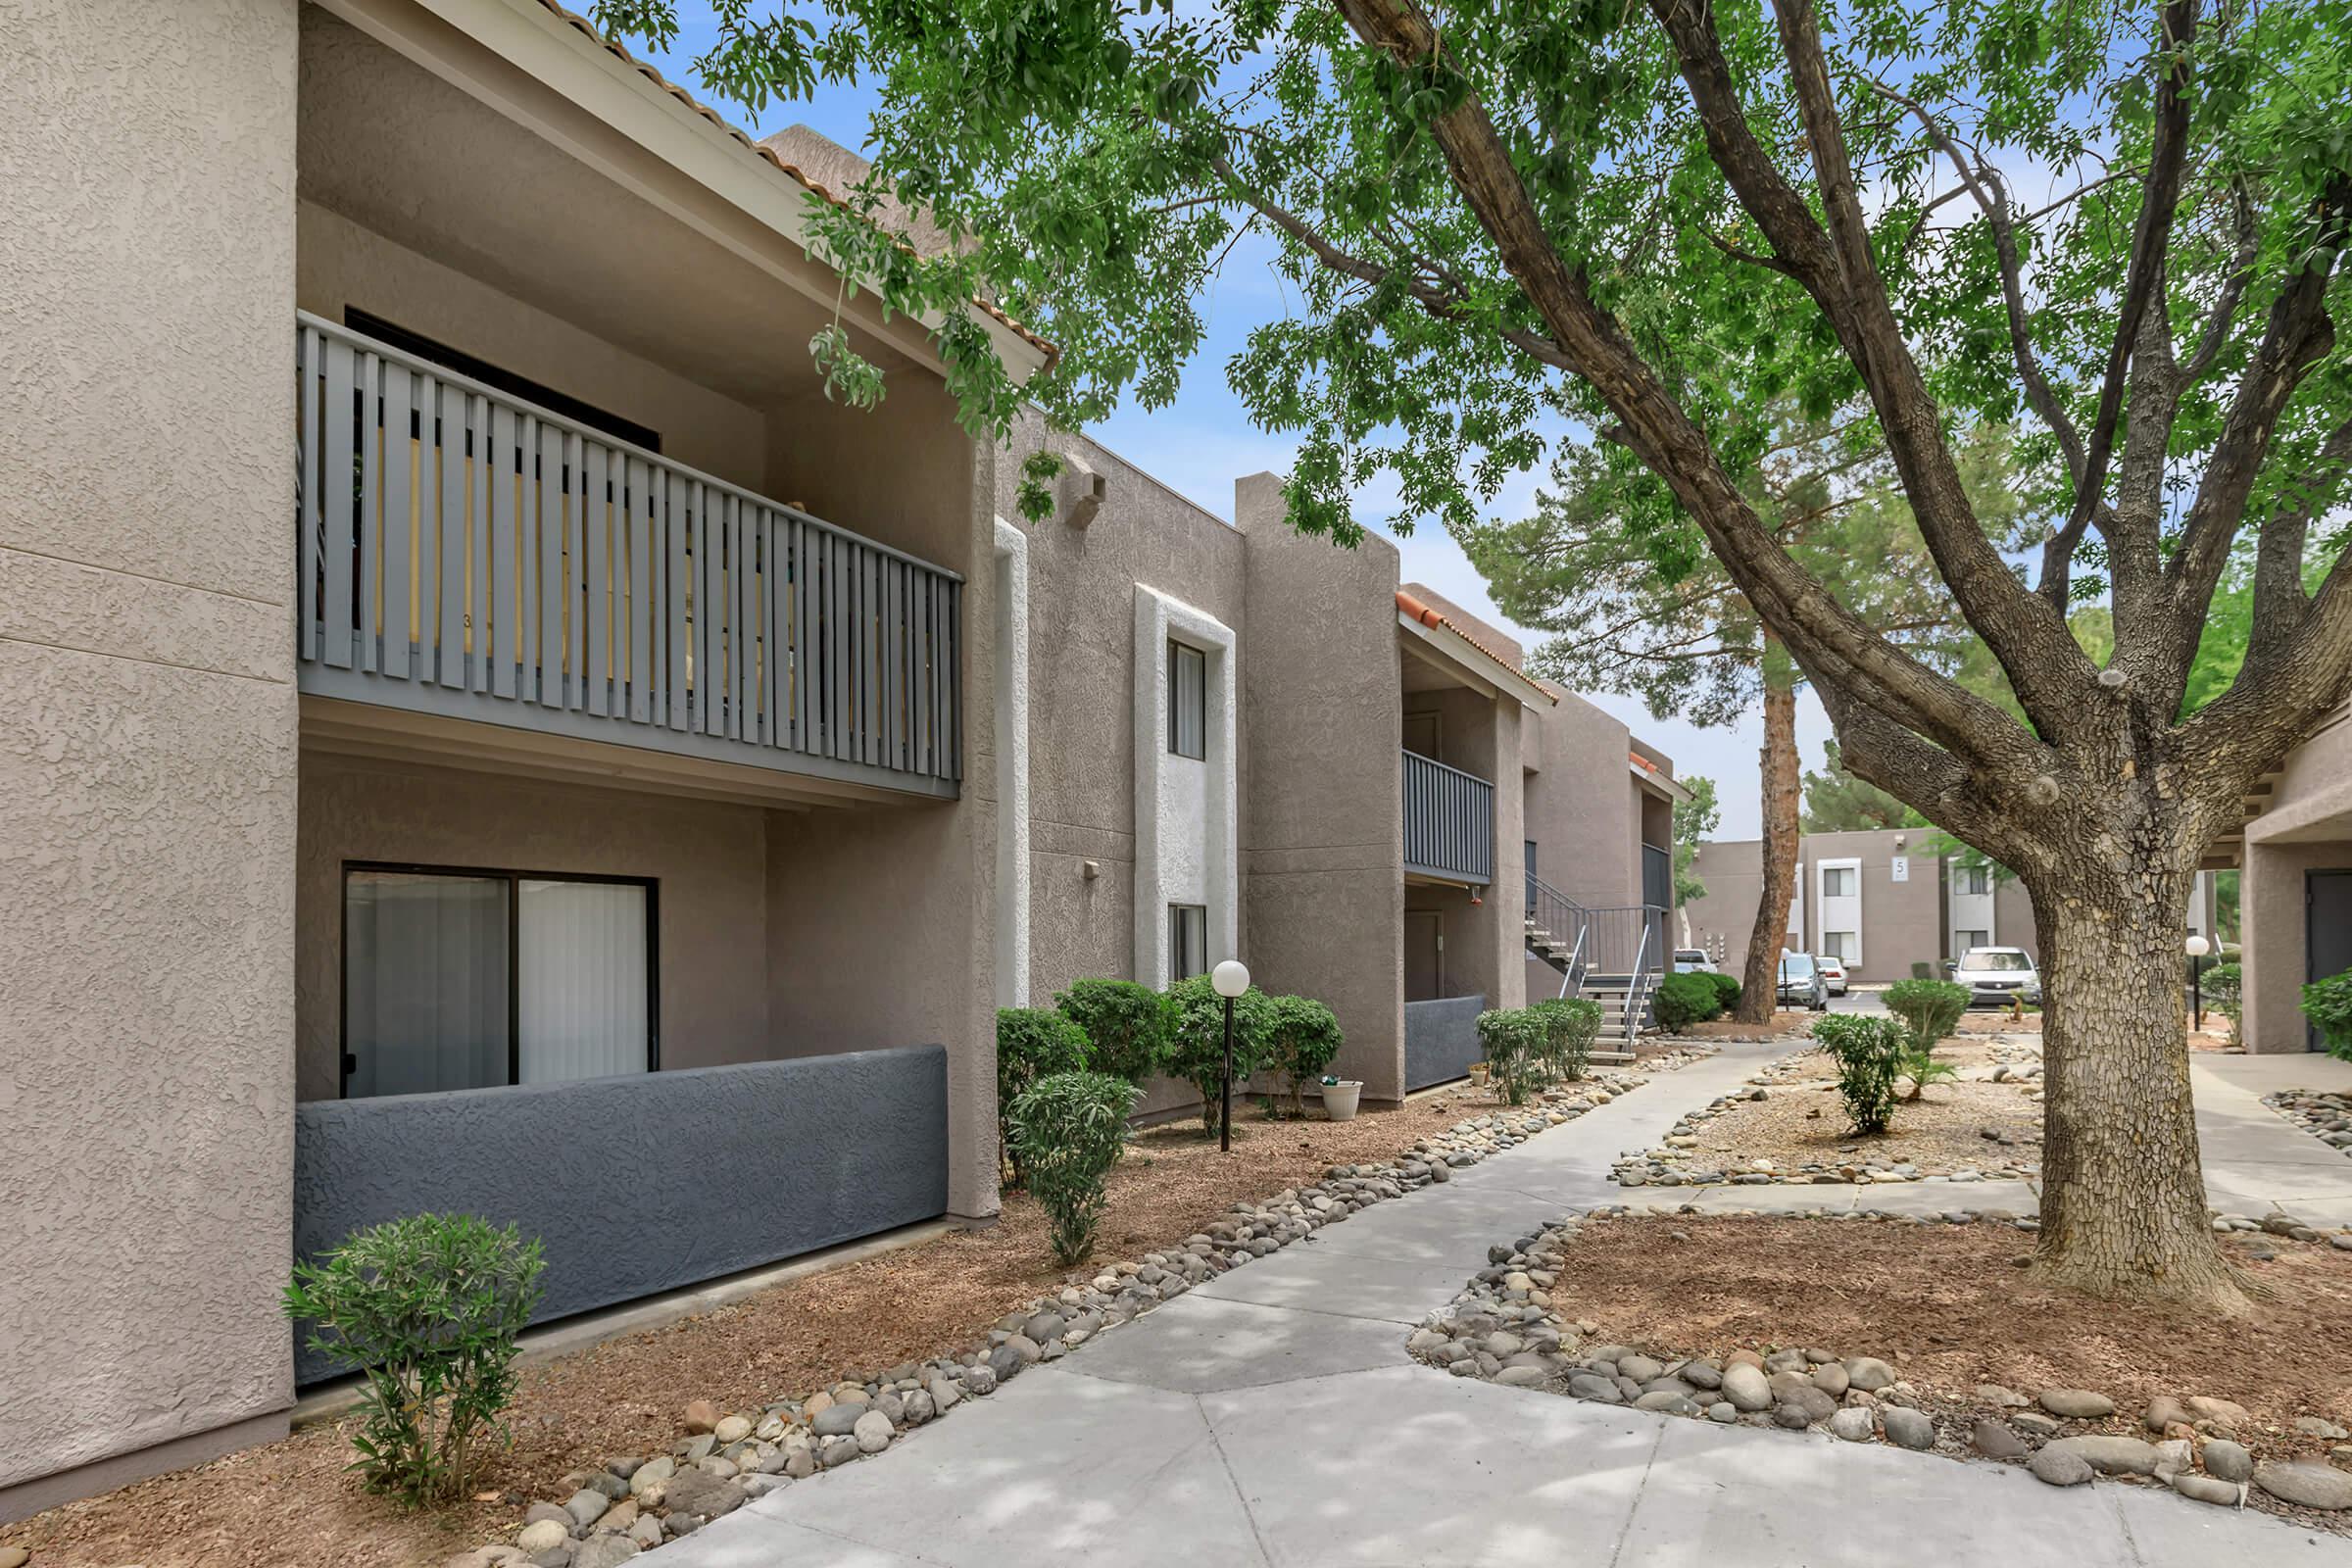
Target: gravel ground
[1802, 1120]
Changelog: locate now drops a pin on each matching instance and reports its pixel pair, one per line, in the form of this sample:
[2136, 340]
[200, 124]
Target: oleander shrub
[428, 1310]
[1931, 1008]
[1070, 1129]
[1682, 1000]
[1303, 1036]
[1126, 1025]
[1194, 1049]
[1570, 1025]
[1727, 991]
[1514, 1041]
[1032, 1043]
[2327, 1004]
[1870, 1052]
[2225, 992]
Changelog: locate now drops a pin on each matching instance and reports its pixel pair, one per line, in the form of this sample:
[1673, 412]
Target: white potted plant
[1340, 1096]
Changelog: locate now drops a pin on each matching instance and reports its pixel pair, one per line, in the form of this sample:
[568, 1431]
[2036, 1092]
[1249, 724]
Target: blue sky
[1203, 441]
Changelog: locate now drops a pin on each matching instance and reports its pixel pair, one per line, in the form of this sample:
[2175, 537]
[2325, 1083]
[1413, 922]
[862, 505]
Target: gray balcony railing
[1449, 822]
[468, 554]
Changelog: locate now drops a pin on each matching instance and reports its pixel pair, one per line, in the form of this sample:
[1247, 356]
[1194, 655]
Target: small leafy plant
[1869, 1053]
[1513, 1039]
[2327, 1004]
[1922, 1067]
[428, 1309]
[1303, 1036]
[1031, 1042]
[1570, 1025]
[1194, 1050]
[1070, 1129]
[1682, 1000]
[1931, 1008]
[2225, 992]
[1126, 1025]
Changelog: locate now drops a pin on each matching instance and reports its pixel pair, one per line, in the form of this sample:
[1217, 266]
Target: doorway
[1424, 954]
[1421, 735]
[2327, 932]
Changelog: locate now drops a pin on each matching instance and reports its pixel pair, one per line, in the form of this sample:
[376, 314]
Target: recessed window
[1188, 701]
[1843, 946]
[1836, 881]
[463, 979]
[1188, 941]
[1976, 879]
[1962, 941]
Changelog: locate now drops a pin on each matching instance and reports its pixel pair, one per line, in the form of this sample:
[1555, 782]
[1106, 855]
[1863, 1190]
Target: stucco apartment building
[486, 732]
[2294, 861]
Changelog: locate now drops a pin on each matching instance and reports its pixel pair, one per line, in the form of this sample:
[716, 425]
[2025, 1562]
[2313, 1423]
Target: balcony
[1448, 823]
[465, 555]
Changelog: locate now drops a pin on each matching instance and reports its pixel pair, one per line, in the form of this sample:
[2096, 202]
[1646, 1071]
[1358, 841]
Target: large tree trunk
[2123, 1204]
[1759, 981]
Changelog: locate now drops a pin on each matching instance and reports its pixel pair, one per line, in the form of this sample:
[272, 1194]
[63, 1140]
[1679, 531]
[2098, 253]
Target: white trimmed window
[1188, 701]
[1188, 941]
[1843, 946]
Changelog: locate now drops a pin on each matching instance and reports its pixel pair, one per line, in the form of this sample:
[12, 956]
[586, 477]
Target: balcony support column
[1485, 948]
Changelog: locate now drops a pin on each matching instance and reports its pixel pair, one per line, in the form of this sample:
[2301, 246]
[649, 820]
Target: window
[1188, 941]
[1962, 941]
[502, 380]
[1843, 946]
[1976, 879]
[1188, 701]
[1836, 881]
[463, 979]
[1530, 875]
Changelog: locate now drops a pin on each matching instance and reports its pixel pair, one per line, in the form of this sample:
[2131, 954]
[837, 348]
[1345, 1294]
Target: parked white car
[1692, 961]
[1995, 977]
[1833, 974]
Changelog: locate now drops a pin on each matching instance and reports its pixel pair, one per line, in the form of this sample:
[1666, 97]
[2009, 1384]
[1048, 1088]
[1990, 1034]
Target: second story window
[1188, 941]
[1188, 701]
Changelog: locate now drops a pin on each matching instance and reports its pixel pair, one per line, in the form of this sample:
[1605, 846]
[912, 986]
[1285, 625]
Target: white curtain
[424, 982]
[581, 979]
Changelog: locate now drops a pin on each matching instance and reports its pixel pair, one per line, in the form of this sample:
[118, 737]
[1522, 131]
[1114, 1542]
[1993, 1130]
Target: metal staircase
[1614, 957]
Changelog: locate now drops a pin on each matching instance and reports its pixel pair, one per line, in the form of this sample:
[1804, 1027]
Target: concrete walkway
[1272, 1418]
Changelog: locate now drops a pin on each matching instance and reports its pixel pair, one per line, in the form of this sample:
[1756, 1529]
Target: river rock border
[726, 1459]
[2325, 1116]
[1507, 1328]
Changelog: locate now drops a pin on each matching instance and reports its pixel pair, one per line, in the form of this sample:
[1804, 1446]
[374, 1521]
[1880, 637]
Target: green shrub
[1920, 1066]
[1303, 1036]
[1727, 991]
[1682, 1000]
[1070, 1129]
[1031, 1042]
[1869, 1053]
[1126, 1025]
[1194, 1050]
[1931, 1008]
[428, 1310]
[2327, 1004]
[2225, 992]
[1515, 1040]
[1570, 1025]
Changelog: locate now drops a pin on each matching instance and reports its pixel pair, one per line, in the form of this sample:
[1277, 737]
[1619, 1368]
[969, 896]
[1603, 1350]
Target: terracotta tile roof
[1415, 609]
[804, 180]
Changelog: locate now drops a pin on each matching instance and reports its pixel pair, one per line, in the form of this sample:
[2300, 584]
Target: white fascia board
[1479, 670]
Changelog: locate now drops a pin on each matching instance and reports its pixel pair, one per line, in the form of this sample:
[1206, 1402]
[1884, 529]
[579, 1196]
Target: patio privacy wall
[1441, 1040]
[641, 1184]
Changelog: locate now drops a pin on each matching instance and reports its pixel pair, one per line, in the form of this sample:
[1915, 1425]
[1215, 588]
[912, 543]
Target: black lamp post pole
[1225, 1090]
[2197, 988]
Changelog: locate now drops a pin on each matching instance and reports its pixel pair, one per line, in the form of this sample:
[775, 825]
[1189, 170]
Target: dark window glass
[1188, 701]
[1188, 941]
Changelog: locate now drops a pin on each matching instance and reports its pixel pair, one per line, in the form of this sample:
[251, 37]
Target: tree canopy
[1837, 802]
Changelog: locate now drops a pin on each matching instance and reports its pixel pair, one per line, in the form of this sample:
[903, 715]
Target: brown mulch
[1949, 1308]
[1802, 1121]
[289, 1504]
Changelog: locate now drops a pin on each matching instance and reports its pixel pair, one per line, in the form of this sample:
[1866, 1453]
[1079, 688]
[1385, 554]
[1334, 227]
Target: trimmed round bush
[1682, 1000]
[1727, 991]
[1070, 1129]
[1513, 1039]
[1195, 1051]
[428, 1309]
[1126, 1025]
[1931, 1008]
[1303, 1036]
[1030, 1043]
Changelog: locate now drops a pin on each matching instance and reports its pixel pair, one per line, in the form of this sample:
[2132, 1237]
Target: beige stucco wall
[1323, 813]
[2305, 826]
[1583, 806]
[708, 860]
[147, 761]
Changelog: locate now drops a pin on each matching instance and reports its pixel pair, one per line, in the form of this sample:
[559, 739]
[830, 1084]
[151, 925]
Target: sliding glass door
[466, 979]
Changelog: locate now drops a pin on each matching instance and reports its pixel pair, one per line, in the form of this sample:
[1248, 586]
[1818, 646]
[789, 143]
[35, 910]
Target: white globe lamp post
[1229, 980]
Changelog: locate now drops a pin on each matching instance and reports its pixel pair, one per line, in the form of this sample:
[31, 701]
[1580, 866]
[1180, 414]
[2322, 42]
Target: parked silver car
[1801, 984]
[1995, 977]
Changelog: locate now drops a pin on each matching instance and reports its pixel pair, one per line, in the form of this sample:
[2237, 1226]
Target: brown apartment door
[1424, 954]
[2327, 931]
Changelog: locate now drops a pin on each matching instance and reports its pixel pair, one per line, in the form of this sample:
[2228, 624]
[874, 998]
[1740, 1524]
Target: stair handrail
[1634, 986]
[1572, 976]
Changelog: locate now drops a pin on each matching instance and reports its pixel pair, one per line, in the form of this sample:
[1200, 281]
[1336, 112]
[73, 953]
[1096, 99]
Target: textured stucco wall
[1583, 808]
[1187, 810]
[1323, 816]
[827, 1149]
[708, 858]
[2306, 826]
[1441, 1040]
[147, 761]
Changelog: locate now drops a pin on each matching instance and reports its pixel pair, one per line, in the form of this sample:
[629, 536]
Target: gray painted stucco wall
[707, 859]
[147, 760]
[1583, 808]
[1323, 818]
[1441, 1040]
[820, 1150]
[2306, 826]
